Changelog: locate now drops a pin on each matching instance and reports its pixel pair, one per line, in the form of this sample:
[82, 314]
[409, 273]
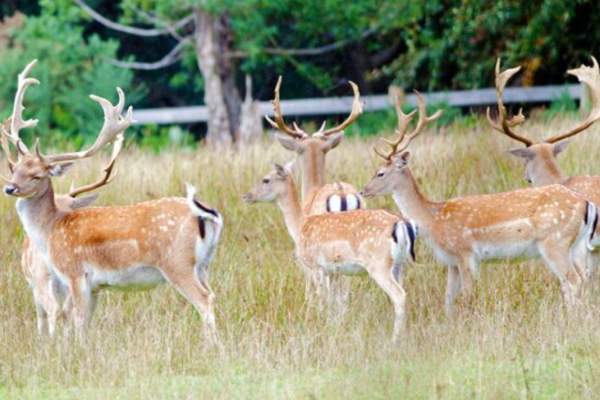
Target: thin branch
[314, 51]
[172, 28]
[131, 29]
[169, 59]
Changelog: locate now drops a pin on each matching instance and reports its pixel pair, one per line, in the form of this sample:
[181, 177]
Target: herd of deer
[72, 250]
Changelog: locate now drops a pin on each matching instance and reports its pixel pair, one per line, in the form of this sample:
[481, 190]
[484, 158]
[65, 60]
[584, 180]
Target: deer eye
[266, 181]
[380, 174]
[36, 178]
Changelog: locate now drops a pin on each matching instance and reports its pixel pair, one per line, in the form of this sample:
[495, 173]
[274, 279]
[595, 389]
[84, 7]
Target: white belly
[486, 251]
[344, 268]
[137, 277]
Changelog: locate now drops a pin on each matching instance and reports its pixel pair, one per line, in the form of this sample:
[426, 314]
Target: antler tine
[423, 121]
[16, 120]
[107, 170]
[279, 123]
[504, 125]
[114, 124]
[403, 140]
[590, 77]
[4, 144]
[357, 109]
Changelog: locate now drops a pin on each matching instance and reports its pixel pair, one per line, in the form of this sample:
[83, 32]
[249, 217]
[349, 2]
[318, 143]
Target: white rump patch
[334, 203]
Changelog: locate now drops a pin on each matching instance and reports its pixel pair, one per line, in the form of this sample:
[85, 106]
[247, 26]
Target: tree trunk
[213, 39]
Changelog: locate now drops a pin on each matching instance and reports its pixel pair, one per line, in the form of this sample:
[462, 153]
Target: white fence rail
[341, 105]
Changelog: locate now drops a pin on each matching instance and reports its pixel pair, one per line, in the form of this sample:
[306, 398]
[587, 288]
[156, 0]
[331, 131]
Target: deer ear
[331, 142]
[523, 153]
[290, 143]
[560, 147]
[81, 202]
[280, 170]
[59, 169]
[401, 160]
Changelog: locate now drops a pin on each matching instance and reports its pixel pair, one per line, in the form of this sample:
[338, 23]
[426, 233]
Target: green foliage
[454, 43]
[156, 139]
[69, 69]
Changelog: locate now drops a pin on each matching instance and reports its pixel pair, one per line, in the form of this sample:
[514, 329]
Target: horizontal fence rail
[341, 105]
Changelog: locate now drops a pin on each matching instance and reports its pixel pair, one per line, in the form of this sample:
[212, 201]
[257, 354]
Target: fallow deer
[143, 244]
[541, 166]
[317, 196]
[375, 242]
[49, 294]
[551, 221]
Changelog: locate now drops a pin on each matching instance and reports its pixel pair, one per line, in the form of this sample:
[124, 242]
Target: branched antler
[16, 119]
[279, 123]
[504, 125]
[297, 133]
[107, 170]
[589, 76]
[403, 139]
[114, 124]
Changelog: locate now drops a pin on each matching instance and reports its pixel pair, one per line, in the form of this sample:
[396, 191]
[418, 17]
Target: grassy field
[512, 340]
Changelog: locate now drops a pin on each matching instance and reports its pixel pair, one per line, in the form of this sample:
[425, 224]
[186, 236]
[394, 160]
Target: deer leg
[383, 275]
[41, 316]
[452, 289]
[196, 292]
[557, 259]
[80, 292]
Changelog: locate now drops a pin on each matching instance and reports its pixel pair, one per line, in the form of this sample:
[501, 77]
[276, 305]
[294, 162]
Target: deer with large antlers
[317, 196]
[374, 242]
[49, 294]
[541, 166]
[551, 221]
[172, 239]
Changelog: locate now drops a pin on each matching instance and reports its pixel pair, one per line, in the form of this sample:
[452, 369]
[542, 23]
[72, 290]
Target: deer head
[272, 186]
[31, 171]
[317, 145]
[541, 167]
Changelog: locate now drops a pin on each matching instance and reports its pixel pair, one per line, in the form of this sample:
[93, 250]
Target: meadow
[511, 340]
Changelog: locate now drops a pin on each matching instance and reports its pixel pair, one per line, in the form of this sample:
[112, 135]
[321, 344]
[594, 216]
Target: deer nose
[10, 189]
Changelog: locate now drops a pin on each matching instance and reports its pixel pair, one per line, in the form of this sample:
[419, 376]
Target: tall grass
[511, 340]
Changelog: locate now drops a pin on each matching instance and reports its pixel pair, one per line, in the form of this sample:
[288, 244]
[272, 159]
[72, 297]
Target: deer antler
[16, 119]
[297, 133]
[403, 140]
[504, 125]
[5, 145]
[357, 109]
[114, 124]
[589, 76]
[107, 170]
[279, 123]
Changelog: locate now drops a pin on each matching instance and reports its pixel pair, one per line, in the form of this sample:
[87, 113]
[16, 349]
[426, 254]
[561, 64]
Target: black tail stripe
[344, 205]
[412, 235]
[201, 227]
[329, 204]
[587, 209]
[206, 209]
[394, 236]
[358, 205]
[594, 225]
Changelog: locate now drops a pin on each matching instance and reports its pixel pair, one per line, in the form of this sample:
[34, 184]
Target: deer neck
[38, 215]
[313, 174]
[547, 172]
[413, 204]
[289, 204]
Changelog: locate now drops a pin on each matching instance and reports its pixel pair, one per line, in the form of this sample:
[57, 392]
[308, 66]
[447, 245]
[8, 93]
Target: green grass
[511, 340]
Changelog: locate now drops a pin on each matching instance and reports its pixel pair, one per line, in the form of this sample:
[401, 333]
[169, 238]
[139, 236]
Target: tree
[221, 33]
[69, 68]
